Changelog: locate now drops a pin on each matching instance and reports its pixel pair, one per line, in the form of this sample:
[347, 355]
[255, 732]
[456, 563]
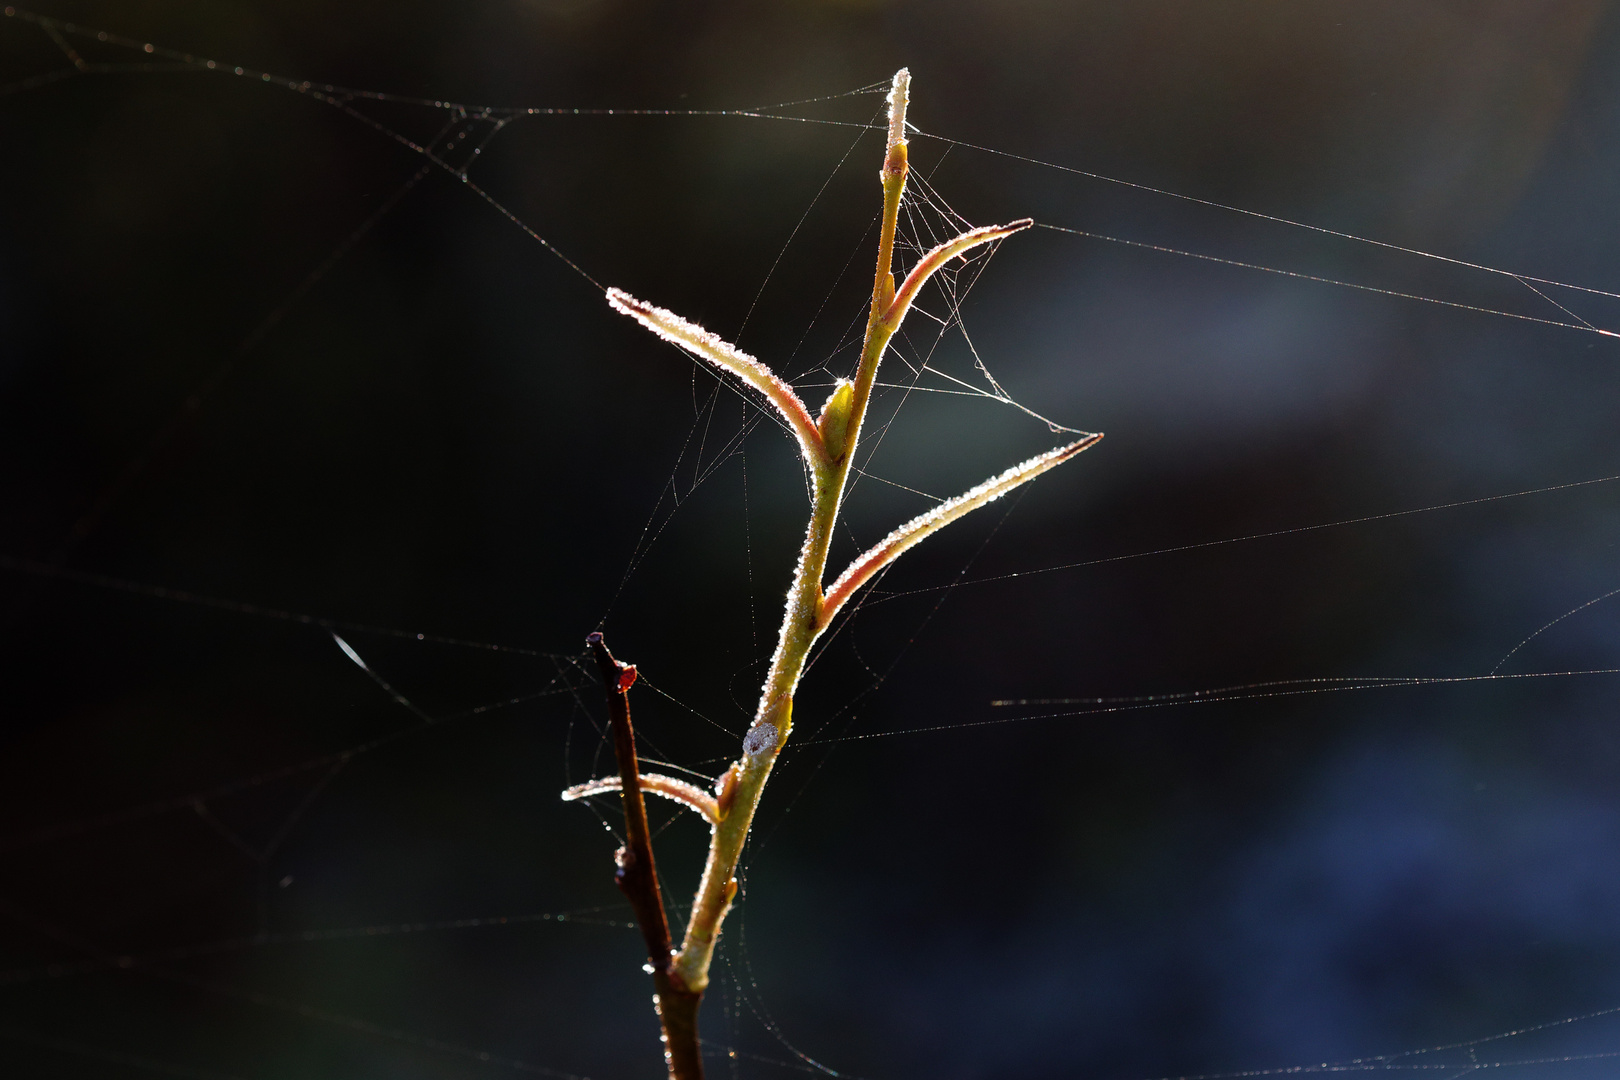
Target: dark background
[449, 433]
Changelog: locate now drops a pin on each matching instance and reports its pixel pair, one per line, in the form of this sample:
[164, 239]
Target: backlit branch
[930, 263]
[918, 528]
[828, 442]
[726, 356]
[689, 795]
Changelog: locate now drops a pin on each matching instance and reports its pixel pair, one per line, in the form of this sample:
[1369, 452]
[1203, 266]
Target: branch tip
[899, 98]
[726, 356]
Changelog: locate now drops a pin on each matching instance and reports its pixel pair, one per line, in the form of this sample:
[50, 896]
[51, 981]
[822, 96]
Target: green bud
[834, 419]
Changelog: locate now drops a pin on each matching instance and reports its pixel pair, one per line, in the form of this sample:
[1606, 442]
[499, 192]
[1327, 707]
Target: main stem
[804, 621]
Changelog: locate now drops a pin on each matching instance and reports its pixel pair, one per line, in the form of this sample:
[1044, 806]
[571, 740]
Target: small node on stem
[760, 738]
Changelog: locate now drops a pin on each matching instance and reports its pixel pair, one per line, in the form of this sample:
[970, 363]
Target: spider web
[125, 873]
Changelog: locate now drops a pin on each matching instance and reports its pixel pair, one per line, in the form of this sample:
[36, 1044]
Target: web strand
[705, 461]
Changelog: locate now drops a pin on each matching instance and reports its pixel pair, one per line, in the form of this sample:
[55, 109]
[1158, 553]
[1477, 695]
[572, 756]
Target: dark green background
[450, 433]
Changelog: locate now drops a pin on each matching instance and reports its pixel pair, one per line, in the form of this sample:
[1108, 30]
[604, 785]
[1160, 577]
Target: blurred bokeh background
[255, 349]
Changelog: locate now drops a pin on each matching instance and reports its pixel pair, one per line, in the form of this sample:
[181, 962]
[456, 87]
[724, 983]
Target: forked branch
[828, 443]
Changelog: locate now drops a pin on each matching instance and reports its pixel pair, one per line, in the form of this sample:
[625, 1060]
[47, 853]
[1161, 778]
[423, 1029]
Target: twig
[637, 878]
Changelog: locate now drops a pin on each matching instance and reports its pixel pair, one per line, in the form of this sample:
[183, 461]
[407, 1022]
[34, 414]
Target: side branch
[689, 795]
[938, 257]
[726, 356]
[637, 878]
[919, 528]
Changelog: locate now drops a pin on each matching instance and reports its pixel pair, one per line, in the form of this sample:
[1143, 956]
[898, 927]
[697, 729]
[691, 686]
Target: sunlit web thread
[589, 916]
[386, 687]
[112, 1057]
[1332, 685]
[1273, 218]
[825, 184]
[1511, 1033]
[1572, 611]
[657, 518]
[191, 61]
[1177, 548]
[954, 293]
[1583, 326]
[751, 996]
[193, 401]
[661, 692]
[356, 1024]
[181, 802]
[307, 1012]
[191, 405]
[54, 27]
[1555, 303]
[242, 607]
[1376, 1066]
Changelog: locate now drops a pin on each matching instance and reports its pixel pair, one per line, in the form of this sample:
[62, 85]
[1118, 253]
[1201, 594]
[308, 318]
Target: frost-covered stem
[637, 878]
[801, 623]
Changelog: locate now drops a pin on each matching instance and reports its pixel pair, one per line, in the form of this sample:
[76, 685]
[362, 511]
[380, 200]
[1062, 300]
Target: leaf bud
[833, 422]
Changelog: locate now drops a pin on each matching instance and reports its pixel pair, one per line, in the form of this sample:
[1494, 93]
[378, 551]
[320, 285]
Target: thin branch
[918, 528]
[930, 263]
[637, 878]
[688, 795]
[726, 356]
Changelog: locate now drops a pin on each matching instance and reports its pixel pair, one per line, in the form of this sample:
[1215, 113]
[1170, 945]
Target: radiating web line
[199, 395]
[581, 916]
[825, 184]
[1325, 685]
[702, 473]
[241, 607]
[1582, 326]
[1271, 534]
[355, 1024]
[53, 27]
[1572, 611]
[304, 1011]
[187, 801]
[339, 96]
[111, 1057]
[1260, 215]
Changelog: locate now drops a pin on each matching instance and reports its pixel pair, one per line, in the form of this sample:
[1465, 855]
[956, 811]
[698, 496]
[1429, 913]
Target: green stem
[802, 622]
